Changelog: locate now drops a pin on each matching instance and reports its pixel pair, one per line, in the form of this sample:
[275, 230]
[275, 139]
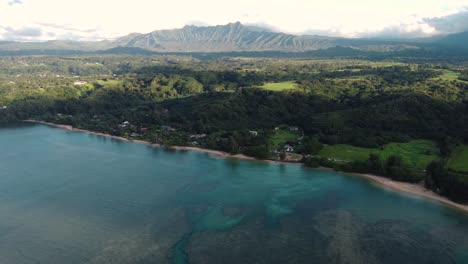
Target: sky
[40, 20]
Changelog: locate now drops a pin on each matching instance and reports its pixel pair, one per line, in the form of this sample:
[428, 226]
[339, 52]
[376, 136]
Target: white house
[293, 128]
[288, 148]
[3, 107]
[253, 133]
[125, 124]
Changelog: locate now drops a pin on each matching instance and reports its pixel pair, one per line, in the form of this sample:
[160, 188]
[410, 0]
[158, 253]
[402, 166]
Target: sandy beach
[403, 187]
[214, 152]
[410, 188]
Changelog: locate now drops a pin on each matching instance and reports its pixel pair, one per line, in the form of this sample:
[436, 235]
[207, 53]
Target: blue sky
[38, 20]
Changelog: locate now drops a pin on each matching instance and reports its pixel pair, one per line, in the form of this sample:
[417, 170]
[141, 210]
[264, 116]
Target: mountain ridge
[222, 38]
[234, 37]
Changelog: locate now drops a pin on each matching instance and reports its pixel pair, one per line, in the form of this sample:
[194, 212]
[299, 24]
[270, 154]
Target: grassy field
[281, 86]
[345, 153]
[281, 136]
[109, 83]
[449, 75]
[459, 159]
[416, 153]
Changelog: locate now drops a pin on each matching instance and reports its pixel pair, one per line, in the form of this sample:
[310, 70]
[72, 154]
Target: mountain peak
[235, 24]
[229, 25]
[190, 26]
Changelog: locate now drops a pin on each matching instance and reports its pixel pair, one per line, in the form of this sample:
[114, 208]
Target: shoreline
[144, 142]
[401, 187]
[413, 189]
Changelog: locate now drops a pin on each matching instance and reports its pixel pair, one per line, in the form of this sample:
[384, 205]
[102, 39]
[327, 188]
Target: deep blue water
[68, 197]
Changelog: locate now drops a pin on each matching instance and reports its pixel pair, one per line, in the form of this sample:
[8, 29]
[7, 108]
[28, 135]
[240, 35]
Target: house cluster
[198, 136]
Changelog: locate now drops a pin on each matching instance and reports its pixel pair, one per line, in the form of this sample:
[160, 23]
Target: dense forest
[269, 108]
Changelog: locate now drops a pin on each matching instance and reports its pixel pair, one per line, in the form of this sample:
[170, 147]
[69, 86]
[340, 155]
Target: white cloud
[98, 19]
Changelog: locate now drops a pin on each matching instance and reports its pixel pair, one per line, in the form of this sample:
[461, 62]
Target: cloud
[330, 32]
[263, 26]
[21, 34]
[449, 24]
[85, 19]
[49, 31]
[415, 30]
[454, 23]
[15, 2]
[26, 32]
[197, 23]
[68, 27]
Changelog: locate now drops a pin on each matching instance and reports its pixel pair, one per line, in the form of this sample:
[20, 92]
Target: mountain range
[233, 37]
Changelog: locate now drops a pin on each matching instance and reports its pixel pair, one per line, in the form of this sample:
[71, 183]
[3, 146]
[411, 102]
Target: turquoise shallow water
[68, 197]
